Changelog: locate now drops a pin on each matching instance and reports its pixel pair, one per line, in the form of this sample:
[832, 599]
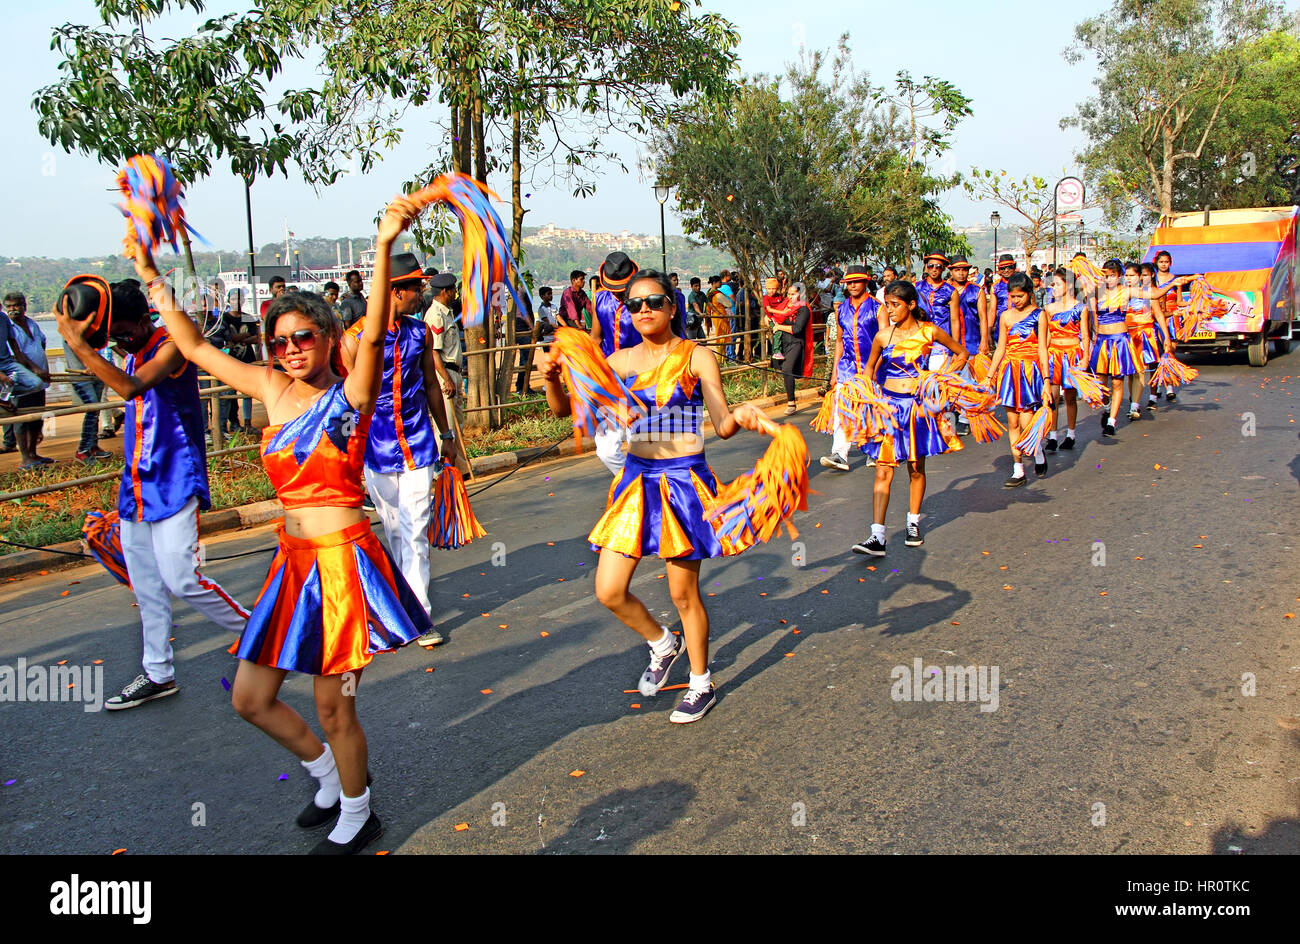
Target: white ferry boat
[308, 279]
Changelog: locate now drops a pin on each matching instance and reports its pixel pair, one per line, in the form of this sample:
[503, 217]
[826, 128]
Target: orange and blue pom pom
[1172, 372]
[152, 202]
[487, 261]
[1035, 434]
[102, 535]
[595, 391]
[452, 523]
[754, 506]
[1084, 383]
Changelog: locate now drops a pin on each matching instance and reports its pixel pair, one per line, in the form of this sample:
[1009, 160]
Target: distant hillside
[549, 260]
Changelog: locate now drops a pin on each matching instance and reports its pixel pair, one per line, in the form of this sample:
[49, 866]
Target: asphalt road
[1120, 683]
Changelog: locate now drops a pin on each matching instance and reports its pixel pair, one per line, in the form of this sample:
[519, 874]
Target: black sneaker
[1040, 469]
[914, 538]
[1170, 397]
[141, 690]
[1152, 404]
[367, 504]
[656, 673]
[1015, 481]
[835, 462]
[1108, 428]
[694, 705]
[1049, 446]
[371, 831]
[1067, 442]
[871, 547]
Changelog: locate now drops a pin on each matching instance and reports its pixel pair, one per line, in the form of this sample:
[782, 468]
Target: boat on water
[305, 278]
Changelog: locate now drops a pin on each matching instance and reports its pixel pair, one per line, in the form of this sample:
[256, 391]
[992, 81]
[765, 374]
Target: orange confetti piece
[461, 827]
[65, 593]
[763, 594]
[985, 553]
[429, 669]
[72, 685]
[550, 544]
[485, 691]
[115, 851]
[503, 625]
[712, 594]
[1202, 536]
[485, 615]
[1102, 593]
[550, 494]
[1285, 616]
[62, 662]
[545, 634]
[43, 573]
[73, 583]
[825, 591]
[635, 704]
[1006, 586]
[1139, 558]
[382, 852]
[954, 623]
[1003, 567]
[1156, 466]
[1198, 545]
[795, 631]
[871, 567]
[98, 662]
[660, 576]
[789, 655]
[817, 525]
[561, 580]
[465, 596]
[862, 580]
[576, 773]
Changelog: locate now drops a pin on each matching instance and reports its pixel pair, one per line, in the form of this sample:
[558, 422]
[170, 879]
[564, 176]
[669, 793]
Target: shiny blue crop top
[904, 359]
[668, 398]
[1111, 315]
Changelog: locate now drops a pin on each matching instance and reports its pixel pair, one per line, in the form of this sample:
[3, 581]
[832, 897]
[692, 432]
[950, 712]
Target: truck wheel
[1257, 350]
[1282, 345]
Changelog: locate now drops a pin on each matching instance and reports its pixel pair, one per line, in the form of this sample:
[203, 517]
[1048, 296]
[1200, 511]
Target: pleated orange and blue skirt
[1020, 383]
[1113, 354]
[655, 508]
[329, 604]
[918, 434]
[1057, 358]
[1146, 344]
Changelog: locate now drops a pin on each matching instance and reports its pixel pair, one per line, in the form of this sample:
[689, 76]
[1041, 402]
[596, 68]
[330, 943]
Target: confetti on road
[461, 827]
[65, 593]
[545, 634]
[10, 783]
[1102, 593]
[635, 704]
[795, 631]
[1007, 586]
[871, 567]
[115, 851]
[225, 683]
[282, 777]
[576, 773]
[789, 655]
[98, 662]
[954, 623]
[985, 553]
[429, 669]
[464, 596]
[485, 691]
[503, 625]
[485, 615]
[62, 662]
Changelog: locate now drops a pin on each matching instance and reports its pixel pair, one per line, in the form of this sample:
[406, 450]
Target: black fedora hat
[856, 272]
[959, 262]
[404, 267]
[616, 271]
[88, 298]
[936, 255]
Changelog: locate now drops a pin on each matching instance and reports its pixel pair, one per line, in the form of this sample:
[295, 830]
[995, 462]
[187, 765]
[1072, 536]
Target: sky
[59, 204]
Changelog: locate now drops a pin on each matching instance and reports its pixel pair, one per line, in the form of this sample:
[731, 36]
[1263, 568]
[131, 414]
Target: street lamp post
[994, 219]
[248, 208]
[661, 194]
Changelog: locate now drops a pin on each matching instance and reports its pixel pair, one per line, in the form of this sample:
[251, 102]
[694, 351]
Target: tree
[1030, 198]
[1167, 69]
[810, 177]
[194, 100]
[1251, 155]
[535, 86]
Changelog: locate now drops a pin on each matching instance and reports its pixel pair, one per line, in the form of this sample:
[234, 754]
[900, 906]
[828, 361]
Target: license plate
[1203, 336]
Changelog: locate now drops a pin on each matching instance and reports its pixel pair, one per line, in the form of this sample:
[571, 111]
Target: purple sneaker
[695, 705]
[656, 674]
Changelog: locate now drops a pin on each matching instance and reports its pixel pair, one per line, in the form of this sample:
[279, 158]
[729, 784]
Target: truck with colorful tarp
[1248, 258]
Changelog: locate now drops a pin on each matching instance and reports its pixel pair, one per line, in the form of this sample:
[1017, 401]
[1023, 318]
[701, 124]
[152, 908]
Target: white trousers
[402, 501]
[839, 441]
[609, 447]
[162, 560]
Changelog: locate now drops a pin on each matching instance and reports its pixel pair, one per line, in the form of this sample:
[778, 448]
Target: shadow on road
[616, 822]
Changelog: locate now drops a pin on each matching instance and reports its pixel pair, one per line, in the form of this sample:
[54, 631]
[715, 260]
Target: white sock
[913, 518]
[1018, 470]
[1151, 397]
[353, 813]
[1069, 433]
[1052, 435]
[878, 532]
[701, 683]
[1039, 458]
[1133, 405]
[327, 775]
[1168, 389]
[664, 644]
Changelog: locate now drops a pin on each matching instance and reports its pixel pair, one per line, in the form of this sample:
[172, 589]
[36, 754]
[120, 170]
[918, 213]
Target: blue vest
[610, 312]
[166, 460]
[401, 433]
[857, 332]
[968, 299]
[934, 299]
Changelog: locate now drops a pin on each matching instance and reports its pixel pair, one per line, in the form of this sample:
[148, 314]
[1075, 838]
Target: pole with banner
[1067, 196]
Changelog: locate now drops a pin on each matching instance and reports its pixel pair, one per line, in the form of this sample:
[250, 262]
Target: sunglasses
[654, 302]
[934, 265]
[303, 340]
[1006, 268]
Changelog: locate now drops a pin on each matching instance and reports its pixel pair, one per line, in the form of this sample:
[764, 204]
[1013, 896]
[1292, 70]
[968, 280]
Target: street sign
[1069, 218]
[1069, 194]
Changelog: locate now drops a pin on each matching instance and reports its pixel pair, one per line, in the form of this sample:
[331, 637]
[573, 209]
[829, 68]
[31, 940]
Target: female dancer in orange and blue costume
[1019, 369]
[1112, 351]
[1145, 320]
[655, 506]
[1170, 286]
[1068, 343]
[904, 346]
[333, 597]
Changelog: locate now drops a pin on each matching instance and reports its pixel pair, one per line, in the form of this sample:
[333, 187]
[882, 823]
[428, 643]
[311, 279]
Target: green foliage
[806, 170]
[1167, 70]
[195, 99]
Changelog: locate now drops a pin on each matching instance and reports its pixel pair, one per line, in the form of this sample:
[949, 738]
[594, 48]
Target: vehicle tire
[1283, 345]
[1257, 350]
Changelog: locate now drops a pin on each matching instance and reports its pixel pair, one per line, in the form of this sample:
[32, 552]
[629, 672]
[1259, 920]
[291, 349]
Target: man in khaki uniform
[447, 345]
